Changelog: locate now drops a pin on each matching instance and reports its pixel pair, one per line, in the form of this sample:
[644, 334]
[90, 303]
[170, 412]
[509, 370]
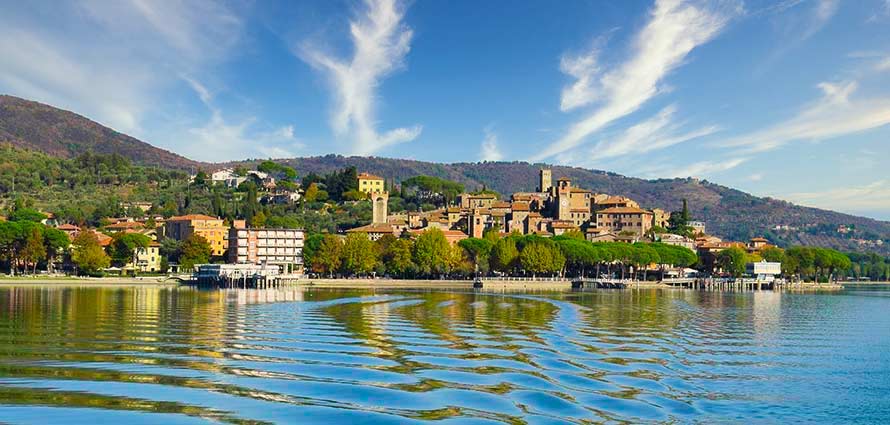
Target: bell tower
[379, 207]
[545, 177]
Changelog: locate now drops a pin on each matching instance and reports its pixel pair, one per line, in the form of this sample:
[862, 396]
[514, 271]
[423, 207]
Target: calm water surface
[162, 355]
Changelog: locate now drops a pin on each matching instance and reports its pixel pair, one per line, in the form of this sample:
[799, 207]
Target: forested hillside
[729, 213]
[34, 125]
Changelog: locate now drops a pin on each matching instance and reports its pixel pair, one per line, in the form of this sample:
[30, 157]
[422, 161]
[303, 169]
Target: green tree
[87, 254]
[327, 257]
[311, 193]
[678, 222]
[431, 251]
[33, 250]
[56, 242]
[773, 254]
[732, 261]
[194, 250]
[397, 257]
[27, 214]
[504, 255]
[359, 255]
[539, 258]
[125, 246]
[478, 251]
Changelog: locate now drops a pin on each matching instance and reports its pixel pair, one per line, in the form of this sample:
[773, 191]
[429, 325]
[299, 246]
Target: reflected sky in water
[180, 355]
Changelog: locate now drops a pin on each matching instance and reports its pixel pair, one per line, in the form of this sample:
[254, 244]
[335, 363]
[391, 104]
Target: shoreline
[490, 284]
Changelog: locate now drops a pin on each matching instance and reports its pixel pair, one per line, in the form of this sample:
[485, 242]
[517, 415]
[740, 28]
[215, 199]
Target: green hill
[729, 213]
[37, 126]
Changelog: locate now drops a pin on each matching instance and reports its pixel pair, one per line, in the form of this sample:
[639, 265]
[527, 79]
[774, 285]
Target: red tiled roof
[372, 228]
[367, 176]
[623, 210]
[190, 217]
[520, 206]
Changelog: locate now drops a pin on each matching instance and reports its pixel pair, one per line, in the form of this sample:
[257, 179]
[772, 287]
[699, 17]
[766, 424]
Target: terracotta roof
[190, 217]
[67, 226]
[500, 204]
[366, 176]
[615, 200]
[534, 214]
[453, 210]
[372, 228]
[520, 206]
[623, 210]
[579, 190]
[454, 233]
[759, 240]
[580, 210]
[563, 179]
[498, 213]
[562, 225]
[125, 225]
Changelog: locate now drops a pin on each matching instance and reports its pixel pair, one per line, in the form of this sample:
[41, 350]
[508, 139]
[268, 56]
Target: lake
[178, 355]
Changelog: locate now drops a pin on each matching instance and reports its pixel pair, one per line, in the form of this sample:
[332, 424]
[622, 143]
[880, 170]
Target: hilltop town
[99, 214]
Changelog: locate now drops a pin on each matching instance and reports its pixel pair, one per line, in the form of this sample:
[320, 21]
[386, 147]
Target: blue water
[177, 355]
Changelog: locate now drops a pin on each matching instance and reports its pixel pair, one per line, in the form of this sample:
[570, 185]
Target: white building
[764, 270]
[281, 247]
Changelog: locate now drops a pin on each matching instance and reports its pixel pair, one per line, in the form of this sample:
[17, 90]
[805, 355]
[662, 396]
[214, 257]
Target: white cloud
[380, 43]
[699, 169]
[490, 150]
[108, 60]
[220, 140]
[823, 11]
[874, 196]
[657, 132]
[835, 114]
[674, 29]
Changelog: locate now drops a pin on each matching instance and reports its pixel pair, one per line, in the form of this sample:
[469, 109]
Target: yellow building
[369, 183]
[148, 259]
[210, 228]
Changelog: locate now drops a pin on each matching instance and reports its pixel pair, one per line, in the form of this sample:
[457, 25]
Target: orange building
[210, 228]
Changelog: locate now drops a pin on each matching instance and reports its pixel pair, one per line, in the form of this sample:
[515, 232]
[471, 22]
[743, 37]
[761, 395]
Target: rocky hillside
[34, 125]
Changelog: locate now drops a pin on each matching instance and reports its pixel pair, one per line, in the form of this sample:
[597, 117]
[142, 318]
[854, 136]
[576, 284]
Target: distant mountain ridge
[58, 132]
[729, 213]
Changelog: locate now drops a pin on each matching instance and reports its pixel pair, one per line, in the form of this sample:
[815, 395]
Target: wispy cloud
[221, 140]
[821, 13]
[835, 114]
[871, 197]
[657, 132]
[490, 150]
[796, 28]
[700, 169]
[380, 41]
[674, 29]
[109, 60]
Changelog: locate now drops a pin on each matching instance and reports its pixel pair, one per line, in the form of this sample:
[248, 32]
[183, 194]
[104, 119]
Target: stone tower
[546, 180]
[563, 198]
[379, 207]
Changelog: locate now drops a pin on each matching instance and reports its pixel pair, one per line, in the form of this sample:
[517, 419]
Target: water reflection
[179, 355]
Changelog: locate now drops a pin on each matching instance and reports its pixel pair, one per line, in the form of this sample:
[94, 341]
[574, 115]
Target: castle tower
[545, 176]
[563, 198]
[379, 207]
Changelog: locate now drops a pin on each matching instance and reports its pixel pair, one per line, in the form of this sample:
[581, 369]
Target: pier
[241, 276]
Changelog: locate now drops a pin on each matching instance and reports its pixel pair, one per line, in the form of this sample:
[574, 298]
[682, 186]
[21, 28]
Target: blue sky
[789, 99]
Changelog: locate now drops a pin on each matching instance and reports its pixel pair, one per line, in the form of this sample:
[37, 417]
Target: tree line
[430, 255]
